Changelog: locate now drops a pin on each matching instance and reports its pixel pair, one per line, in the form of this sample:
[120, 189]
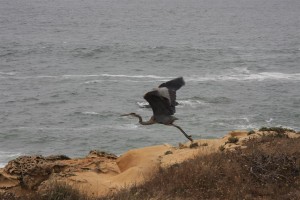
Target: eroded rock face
[32, 170]
[96, 153]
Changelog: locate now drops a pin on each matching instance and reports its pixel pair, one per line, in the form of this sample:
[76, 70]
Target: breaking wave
[78, 76]
[182, 103]
[7, 73]
[246, 77]
[4, 156]
[235, 75]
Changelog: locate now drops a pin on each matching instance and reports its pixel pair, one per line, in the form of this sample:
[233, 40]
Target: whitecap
[8, 73]
[277, 75]
[79, 76]
[143, 104]
[123, 127]
[6, 156]
[90, 113]
[129, 126]
[246, 76]
[181, 103]
[246, 126]
[136, 76]
[245, 118]
[190, 102]
[144, 81]
[93, 81]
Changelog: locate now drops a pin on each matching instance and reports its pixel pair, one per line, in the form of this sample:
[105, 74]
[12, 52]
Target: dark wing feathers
[173, 102]
[174, 84]
[160, 105]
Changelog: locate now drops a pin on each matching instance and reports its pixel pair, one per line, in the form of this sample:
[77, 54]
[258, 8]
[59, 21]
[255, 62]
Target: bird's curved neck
[151, 121]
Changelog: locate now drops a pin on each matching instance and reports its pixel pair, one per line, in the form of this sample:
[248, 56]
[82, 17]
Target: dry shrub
[232, 139]
[8, 196]
[57, 191]
[61, 191]
[267, 169]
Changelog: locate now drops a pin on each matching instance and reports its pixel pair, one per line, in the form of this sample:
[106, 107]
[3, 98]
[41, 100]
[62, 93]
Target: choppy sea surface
[69, 69]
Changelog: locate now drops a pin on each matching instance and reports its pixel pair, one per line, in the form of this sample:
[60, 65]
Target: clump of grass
[194, 145]
[259, 172]
[232, 139]
[63, 191]
[8, 196]
[279, 131]
[204, 144]
[58, 191]
[251, 132]
[222, 148]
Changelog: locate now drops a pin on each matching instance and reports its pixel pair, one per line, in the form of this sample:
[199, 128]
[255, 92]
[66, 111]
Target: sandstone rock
[97, 153]
[32, 170]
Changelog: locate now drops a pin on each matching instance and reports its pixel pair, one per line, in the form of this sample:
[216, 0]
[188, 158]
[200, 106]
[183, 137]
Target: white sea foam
[136, 76]
[125, 127]
[190, 102]
[238, 74]
[93, 81]
[182, 103]
[245, 118]
[8, 154]
[144, 81]
[246, 77]
[58, 128]
[246, 126]
[8, 73]
[5, 156]
[143, 104]
[78, 76]
[90, 113]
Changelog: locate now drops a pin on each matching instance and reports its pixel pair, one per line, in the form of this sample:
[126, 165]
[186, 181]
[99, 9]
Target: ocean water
[70, 68]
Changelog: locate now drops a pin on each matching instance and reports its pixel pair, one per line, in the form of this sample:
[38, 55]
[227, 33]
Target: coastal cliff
[100, 173]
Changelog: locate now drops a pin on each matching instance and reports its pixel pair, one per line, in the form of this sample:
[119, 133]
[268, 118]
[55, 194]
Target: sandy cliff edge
[99, 173]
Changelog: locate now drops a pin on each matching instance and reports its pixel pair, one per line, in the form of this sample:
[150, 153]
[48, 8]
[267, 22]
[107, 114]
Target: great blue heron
[163, 101]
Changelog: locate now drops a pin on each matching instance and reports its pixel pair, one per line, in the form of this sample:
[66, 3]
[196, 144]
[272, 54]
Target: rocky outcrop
[30, 171]
[100, 173]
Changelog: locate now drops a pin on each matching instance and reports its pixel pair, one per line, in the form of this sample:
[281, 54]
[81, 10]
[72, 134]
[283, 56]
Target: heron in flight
[163, 101]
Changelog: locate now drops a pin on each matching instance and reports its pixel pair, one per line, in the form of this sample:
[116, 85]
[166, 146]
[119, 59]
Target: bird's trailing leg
[184, 133]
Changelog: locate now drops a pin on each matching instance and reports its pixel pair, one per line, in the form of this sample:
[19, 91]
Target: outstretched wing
[174, 84]
[159, 104]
